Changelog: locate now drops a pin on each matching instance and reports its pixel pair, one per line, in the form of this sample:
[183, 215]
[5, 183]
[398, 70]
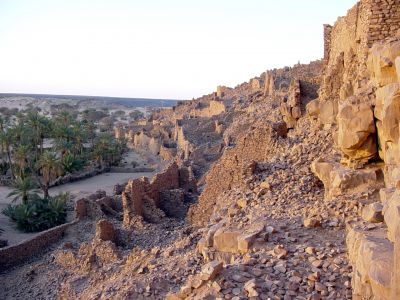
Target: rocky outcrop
[360, 94]
[356, 136]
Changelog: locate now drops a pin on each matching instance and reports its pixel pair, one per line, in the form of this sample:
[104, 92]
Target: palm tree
[21, 155]
[79, 138]
[24, 188]
[40, 127]
[6, 139]
[50, 168]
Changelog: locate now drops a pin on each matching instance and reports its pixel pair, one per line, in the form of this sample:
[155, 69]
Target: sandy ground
[78, 190]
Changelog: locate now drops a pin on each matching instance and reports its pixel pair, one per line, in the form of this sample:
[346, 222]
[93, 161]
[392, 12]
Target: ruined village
[286, 187]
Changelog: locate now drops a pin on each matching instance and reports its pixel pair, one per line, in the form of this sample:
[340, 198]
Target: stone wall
[167, 154]
[144, 198]
[253, 145]
[327, 41]
[143, 141]
[12, 255]
[384, 20]
[346, 50]
[214, 108]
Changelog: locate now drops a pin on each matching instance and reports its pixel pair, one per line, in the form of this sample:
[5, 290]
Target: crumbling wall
[143, 141]
[144, 198]
[237, 163]
[256, 84]
[166, 153]
[214, 108]
[291, 109]
[346, 50]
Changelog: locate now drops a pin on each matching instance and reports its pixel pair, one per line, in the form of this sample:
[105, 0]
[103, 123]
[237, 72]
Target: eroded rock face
[391, 212]
[381, 62]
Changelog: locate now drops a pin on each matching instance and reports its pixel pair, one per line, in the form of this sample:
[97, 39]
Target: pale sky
[175, 49]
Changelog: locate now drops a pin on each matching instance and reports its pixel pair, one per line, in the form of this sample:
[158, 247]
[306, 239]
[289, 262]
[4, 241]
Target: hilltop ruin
[283, 187]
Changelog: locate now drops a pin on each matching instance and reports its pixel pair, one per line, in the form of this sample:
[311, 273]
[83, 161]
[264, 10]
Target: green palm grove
[35, 150]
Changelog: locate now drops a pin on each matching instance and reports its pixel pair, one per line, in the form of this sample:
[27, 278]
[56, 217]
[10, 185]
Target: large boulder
[327, 112]
[356, 135]
[397, 61]
[339, 180]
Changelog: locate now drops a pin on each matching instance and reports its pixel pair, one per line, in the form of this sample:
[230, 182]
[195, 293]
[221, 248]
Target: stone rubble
[273, 189]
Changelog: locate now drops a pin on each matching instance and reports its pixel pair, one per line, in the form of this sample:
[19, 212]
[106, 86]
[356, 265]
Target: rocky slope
[298, 196]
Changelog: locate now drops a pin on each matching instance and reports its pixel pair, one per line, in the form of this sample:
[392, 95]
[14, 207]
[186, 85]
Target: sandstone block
[250, 287]
[327, 112]
[397, 62]
[339, 180]
[391, 212]
[373, 213]
[311, 223]
[226, 240]
[211, 270]
[242, 203]
[371, 256]
[387, 110]
[246, 240]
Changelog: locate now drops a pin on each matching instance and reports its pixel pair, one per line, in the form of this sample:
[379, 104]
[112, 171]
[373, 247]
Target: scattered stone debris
[272, 190]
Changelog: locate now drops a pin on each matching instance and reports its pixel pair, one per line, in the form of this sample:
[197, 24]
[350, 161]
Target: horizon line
[97, 96]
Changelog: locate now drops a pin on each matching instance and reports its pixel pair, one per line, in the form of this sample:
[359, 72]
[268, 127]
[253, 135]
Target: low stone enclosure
[164, 195]
[15, 254]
